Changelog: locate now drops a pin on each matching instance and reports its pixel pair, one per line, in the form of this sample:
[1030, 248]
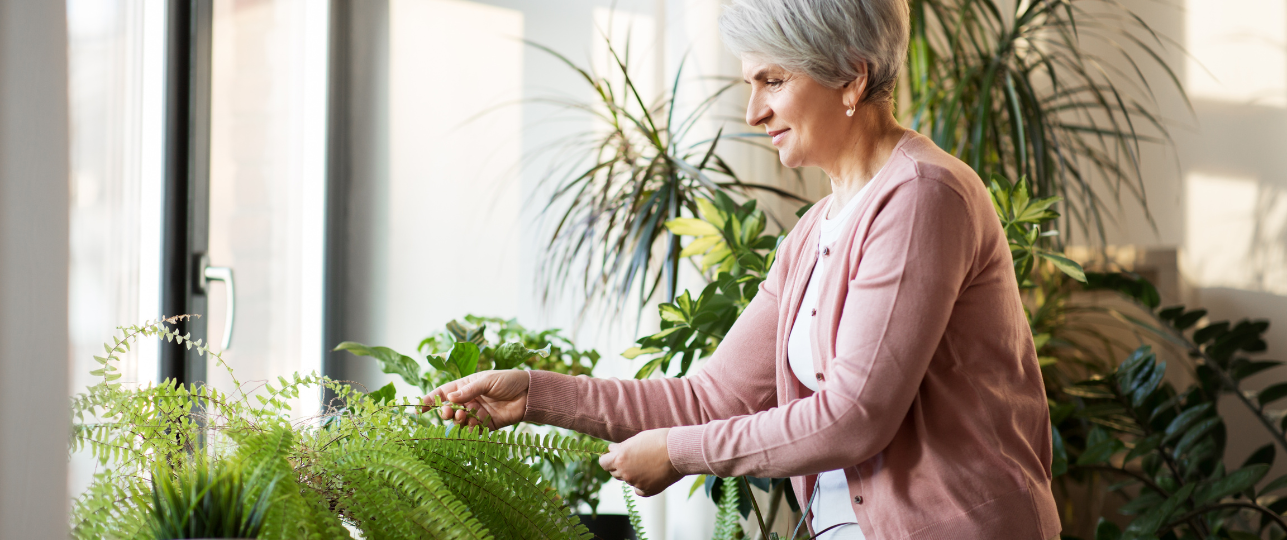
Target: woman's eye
[774, 83]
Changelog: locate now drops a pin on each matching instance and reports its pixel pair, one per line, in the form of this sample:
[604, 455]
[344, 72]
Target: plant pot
[609, 526]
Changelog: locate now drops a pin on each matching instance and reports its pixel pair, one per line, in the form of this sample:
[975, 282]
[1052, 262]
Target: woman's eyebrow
[759, 75]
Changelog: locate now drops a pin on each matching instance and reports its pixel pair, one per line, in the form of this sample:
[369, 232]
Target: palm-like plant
[633, 171]
[1021, 92]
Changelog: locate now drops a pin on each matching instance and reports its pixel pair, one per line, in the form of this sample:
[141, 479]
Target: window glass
[267, 187]
[116, 57]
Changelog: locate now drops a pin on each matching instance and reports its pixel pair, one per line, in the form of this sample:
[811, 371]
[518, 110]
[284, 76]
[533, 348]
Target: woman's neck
[874, 134]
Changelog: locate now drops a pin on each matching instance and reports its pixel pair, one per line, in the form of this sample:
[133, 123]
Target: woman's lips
[777, 135]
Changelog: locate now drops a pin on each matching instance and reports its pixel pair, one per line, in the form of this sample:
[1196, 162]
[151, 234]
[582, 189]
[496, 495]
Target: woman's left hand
[643, 462]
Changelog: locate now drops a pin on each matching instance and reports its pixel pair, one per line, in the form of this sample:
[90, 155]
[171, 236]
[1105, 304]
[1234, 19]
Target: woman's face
[804, 118]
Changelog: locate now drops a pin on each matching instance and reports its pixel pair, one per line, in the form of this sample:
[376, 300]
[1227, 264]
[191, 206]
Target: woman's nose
[756, 112]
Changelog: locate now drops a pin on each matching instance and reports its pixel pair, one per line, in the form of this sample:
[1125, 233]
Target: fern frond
[635, 521]
[727, 526]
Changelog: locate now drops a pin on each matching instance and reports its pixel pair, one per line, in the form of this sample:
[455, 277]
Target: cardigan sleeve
[917, 254]
[738, 379]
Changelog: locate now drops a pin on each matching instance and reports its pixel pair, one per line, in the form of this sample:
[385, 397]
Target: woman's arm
[917, 255]
[739, 379]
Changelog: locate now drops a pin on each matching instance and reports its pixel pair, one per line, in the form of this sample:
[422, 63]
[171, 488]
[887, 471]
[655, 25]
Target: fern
[372, 465]
[635, 521]
[727, 526]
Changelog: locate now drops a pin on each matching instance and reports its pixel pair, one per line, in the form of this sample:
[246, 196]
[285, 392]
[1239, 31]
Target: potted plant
[373, 463]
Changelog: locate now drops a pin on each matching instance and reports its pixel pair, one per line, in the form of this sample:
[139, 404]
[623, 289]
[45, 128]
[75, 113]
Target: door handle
[224, 274]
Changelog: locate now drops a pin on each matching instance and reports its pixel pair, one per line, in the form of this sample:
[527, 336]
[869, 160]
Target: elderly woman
[886, 365]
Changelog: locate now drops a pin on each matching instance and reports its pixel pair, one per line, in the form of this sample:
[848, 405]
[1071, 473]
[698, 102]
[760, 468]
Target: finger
[641, 493]
[470, 390]
[443, 390]
[461, 416]
[608, 461]
[446, 412]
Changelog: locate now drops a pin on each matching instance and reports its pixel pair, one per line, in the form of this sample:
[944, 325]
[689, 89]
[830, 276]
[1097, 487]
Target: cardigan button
[826, 251]
[813, 312]
[818, 376]
[858, 499]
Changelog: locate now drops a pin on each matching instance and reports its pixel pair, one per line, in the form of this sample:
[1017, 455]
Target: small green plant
[476, 344]
[731, 249]
[368, 464]
[210, 500]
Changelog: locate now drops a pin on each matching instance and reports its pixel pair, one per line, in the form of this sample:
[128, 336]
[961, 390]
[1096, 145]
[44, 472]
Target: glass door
[264, 261]
[245, 189]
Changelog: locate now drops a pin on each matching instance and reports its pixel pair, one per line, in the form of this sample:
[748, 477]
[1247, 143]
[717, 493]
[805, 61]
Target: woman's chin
[788, 159]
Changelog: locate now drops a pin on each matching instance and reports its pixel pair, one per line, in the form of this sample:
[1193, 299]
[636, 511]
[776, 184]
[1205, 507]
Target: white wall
[1220, 195]
[34, 202]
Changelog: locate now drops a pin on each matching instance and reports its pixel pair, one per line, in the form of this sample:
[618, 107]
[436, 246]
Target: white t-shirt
[832, 504]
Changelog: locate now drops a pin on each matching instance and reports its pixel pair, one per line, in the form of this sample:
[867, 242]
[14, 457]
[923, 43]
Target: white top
[832, 504]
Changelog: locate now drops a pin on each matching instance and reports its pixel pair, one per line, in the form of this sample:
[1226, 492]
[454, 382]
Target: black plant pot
[609, 527]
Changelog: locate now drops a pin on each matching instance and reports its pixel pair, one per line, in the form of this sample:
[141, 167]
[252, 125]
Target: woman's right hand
[500, 395]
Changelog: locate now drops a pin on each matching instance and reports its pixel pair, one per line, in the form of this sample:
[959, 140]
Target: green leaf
[670, 313]
[385, 394]
[1196, 433]
[390, 360]
[464, 355]
[633, 352]
[514, 354]
[1236, 482]
[1100, 453]
[1183, 322]
[1275, 484]
[1148, 524]
[1182, 422]
[1265, 454]
[1272, 394]
[691, 227]
[1107, 530]
[1059, 459]
[1144, 446]
[1066, 265]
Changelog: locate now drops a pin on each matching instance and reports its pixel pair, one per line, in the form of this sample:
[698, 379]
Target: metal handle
[224, 274]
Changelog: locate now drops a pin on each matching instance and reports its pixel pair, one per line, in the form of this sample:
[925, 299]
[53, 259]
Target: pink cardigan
[931, 398]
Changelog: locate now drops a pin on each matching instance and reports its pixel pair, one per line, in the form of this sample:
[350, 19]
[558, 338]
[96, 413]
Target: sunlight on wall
[1235, 234]
[455, 73]
[1239, 51]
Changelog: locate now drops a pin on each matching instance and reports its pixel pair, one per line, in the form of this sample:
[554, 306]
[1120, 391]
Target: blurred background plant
[622, 180]
[1015, 89]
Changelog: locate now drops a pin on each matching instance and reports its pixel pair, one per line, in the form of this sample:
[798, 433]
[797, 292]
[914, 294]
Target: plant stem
[1127, 472]
[1236, 504]
[746, 485]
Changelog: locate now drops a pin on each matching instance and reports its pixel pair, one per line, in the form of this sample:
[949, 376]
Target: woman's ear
[856, 89]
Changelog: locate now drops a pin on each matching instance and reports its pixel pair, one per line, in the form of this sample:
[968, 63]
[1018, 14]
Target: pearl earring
[850, 112]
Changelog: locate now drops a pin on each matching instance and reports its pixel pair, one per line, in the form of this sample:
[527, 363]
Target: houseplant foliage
[635, 169]
[1164, 446]
[373, 464]
[479, 343]
[210, 500]
[1019, 89]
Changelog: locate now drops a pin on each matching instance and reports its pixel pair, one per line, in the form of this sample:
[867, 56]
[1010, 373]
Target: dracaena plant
[1051, 90]
[635, 169]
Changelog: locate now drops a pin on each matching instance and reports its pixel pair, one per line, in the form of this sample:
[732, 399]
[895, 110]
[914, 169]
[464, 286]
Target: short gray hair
[824, 39]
